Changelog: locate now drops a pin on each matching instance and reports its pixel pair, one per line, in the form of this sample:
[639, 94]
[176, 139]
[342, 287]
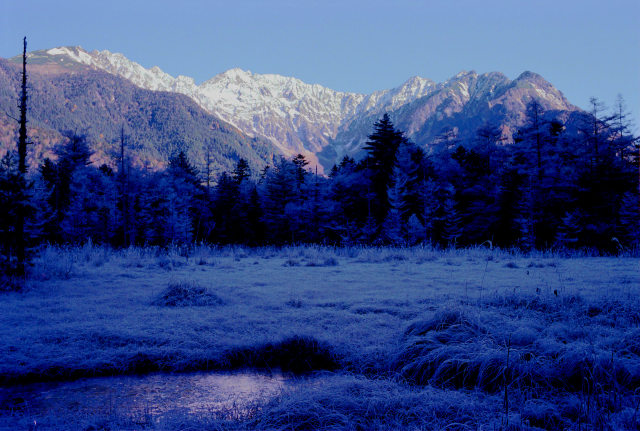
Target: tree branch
[13, 118]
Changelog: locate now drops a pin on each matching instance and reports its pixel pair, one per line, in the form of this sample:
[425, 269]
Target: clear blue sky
[584, 47]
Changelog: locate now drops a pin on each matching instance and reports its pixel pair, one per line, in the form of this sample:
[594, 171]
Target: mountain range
[256, 116]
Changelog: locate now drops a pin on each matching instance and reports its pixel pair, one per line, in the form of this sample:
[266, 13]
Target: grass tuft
[186, 294]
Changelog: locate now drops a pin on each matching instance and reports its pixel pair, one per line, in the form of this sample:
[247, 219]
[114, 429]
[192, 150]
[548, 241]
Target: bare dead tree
[22, 163]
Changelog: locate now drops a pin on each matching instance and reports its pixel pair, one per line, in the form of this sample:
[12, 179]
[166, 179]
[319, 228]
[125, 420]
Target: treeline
[548, 189]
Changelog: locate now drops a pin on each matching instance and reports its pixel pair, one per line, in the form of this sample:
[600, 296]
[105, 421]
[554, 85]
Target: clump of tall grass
[55, 263]
[547, 350]
[186, 294]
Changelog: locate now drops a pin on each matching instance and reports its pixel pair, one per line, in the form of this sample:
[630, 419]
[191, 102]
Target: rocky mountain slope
[323, 124]
[85, 100]
[457, 107]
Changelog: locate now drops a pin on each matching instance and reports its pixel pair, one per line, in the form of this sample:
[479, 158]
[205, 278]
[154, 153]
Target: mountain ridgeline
[280, 114]
[157, 125]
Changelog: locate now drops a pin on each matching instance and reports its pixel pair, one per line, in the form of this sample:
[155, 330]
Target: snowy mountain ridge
[294, 115]
[298, 117]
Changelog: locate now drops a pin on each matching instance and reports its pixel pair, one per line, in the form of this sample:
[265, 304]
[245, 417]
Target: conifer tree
[408, 171]
[255, 229]
[416, 232]
[91, 213]
[125, 203]
[369, 233]
[624, 142]
[531, 139]
[151, 208]
[447, 220]
[241, 171]
[225, 199]
[14, 201]
[629, 229]
[393, 229]
[300, 163]
[428, 205]
[180, 167]
[382, 148]
[279, 191]
[509, 207]
[72, 154]
[569, 231]
[526, 220]
[451, 230]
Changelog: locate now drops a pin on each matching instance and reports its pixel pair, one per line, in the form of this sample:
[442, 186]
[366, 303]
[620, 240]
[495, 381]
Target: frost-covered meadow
[411, 338]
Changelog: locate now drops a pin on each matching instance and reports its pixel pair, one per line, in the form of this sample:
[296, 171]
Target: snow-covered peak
[296, 116]
[237, 73]
[388, 100]
[417, 82]
[414, 88]
[543, 89]
[75, 53]
[464, 74]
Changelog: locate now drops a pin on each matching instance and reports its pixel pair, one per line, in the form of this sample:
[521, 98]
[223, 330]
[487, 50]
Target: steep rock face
[70, 96]
[324, 124]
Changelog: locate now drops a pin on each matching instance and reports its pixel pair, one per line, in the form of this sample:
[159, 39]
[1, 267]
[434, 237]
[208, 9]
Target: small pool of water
[143, 398]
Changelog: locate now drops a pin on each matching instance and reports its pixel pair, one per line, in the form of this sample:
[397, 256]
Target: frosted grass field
[412, 338]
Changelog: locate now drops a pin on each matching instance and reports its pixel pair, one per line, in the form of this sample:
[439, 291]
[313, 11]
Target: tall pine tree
[382, 148]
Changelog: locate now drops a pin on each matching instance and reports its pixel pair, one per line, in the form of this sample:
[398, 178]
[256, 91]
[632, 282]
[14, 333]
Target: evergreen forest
[549, 189]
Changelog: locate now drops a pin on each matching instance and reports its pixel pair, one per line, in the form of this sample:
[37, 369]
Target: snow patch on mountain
[77, 54]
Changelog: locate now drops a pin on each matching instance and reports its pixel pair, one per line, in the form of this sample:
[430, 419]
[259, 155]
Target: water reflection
[153, 395]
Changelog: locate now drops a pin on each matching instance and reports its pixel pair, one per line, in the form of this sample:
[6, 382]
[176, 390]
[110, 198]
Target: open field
[412, 338]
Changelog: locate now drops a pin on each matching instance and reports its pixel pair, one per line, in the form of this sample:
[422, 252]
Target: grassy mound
[186, 294]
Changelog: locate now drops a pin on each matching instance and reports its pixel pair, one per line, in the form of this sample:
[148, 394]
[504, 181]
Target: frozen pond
[142, 398]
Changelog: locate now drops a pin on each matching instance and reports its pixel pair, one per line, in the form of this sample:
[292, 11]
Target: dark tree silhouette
[15, 198]
[22, 164]
[124, 203]
[22, 137]
[57, 177]
[241, 172]
[382, 147]
[300, 162]
[180, 167]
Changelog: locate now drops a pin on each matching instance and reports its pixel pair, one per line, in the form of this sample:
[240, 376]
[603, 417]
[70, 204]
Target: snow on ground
[91, 311]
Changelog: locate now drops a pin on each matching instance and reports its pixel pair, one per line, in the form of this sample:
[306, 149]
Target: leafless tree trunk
[22, 162]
